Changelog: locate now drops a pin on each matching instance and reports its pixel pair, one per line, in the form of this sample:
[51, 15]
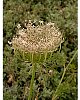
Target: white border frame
[1, 49]
[78, 49]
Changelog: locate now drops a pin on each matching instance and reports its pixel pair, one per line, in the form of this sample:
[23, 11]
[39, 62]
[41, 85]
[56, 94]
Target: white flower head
[45, 37]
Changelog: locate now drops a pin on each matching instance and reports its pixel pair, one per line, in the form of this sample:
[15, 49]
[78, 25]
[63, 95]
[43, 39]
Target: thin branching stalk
[40, 57]
[30, 57]
[32, 79]
[65, 68]
[50, 55]
[45, 56]
[60, 48]
[23, 55]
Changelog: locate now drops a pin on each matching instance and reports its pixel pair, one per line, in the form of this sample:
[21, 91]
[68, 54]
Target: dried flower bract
[37, 38]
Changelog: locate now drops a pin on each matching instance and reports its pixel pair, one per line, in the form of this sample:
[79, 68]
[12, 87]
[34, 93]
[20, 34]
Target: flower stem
[32, 79]
[65, 68]
[45, 56]
[50, 55]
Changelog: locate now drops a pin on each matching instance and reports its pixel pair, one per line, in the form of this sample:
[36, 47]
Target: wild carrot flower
[40, 38]
[37, 39]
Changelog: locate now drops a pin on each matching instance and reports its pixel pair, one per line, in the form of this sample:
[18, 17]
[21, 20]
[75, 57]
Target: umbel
[37, 39]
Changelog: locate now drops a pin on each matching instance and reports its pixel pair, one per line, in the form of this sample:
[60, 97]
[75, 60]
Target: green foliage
[48, 74]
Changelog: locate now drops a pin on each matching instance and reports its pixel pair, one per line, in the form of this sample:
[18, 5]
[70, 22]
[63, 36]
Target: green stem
[40, 57]
[45, 56]
[55, 95]
[32, 79]
[50, 55]
[30, 56]
[23, 55]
